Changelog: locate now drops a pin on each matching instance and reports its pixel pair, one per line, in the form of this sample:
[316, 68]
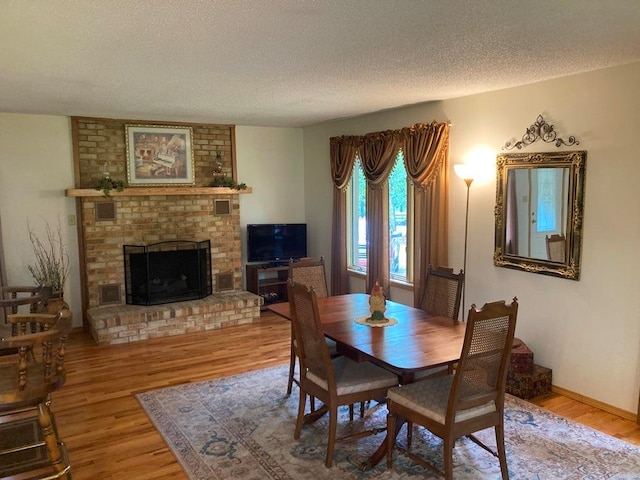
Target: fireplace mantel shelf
[148, 191]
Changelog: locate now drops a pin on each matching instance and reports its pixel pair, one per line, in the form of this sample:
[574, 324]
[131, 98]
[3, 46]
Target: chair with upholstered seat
[466, 401]
[334, 381]
[442, 294]
[309, 272]
[556, 247]
[26, 382]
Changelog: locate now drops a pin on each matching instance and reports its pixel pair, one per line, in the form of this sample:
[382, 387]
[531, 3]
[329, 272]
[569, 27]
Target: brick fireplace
[143, 216]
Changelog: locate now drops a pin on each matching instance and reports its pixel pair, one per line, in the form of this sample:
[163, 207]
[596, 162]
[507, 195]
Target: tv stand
[276, 263]
[269, 280]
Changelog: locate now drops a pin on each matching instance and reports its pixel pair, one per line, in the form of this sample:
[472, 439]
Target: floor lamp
[465, 172]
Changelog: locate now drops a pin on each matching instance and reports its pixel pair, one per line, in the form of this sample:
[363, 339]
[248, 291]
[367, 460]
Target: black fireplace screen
[167, 272]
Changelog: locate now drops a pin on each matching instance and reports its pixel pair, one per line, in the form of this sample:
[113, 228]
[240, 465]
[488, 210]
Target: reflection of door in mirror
[536, 207]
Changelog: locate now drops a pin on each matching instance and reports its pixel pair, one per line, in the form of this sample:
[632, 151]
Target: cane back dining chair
[556, 246]
[27, 380]
[309, 272]
[442, 294]
[334, 381]
[466, 401]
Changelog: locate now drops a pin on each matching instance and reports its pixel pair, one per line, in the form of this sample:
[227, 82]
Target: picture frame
[159, 155]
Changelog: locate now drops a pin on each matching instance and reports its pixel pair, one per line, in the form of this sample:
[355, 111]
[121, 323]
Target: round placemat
[376, 323]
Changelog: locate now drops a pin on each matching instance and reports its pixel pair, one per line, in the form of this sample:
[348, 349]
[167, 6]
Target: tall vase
[56, 302]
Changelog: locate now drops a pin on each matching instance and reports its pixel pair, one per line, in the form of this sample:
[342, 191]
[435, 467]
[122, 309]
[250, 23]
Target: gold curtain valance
[424, 148]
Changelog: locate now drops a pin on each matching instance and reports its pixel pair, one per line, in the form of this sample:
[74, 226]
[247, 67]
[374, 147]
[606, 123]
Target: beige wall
[588, 331]
[270, 161]
[36, 165]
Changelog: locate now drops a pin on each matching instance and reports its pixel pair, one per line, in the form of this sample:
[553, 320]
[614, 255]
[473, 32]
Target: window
[357, 217]
[400, 222]
[399, 207]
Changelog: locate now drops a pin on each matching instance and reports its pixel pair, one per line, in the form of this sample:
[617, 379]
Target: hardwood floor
[109, 436]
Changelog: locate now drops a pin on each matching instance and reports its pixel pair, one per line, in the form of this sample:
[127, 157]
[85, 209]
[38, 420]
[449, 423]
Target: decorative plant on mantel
[106, 183]
[222, 180]
[52, 260]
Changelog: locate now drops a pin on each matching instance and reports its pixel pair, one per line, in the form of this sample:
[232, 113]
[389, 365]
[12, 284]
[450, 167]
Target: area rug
[241, 427]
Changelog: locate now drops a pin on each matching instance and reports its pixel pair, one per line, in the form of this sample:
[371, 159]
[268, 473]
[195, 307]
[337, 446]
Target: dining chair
[26, 384]
[441, 297]
[556, 246]
[334, 381]
[309, 272]
[466, 401]
[442, 292]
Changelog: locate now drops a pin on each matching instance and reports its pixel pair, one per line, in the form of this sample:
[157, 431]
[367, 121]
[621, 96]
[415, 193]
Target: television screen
[276, 242]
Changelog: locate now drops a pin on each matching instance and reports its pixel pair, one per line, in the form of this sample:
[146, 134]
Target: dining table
[411, 341]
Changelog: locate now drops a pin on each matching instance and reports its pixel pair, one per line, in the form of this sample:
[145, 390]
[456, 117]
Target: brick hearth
[131, 323]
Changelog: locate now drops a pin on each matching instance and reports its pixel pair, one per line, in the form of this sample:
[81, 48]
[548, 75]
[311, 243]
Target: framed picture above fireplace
[159, 155]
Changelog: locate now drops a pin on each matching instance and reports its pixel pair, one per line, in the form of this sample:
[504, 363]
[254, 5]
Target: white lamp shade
[464, 171]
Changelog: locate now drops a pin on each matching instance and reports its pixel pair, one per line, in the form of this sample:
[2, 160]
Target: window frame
[352, 219]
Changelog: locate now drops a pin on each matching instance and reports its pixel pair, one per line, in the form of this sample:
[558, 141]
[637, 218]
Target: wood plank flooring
[109, 436]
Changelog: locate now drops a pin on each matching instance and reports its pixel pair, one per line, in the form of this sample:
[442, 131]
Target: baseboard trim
[595, 403]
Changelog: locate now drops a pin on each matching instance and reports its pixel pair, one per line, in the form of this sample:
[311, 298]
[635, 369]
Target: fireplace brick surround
[162, 214]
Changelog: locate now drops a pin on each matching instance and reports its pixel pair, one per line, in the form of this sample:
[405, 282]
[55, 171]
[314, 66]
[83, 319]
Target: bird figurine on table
[377, 304]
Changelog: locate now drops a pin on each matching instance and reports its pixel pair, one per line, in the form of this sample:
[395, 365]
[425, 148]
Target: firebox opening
[167, 272]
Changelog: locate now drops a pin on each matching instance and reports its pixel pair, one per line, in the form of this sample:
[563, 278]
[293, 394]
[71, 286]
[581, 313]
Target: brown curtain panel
[426, 156]
[378, 155]
[343, 151]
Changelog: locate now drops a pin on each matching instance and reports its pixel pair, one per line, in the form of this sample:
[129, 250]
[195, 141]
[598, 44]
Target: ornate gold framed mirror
[539, 212]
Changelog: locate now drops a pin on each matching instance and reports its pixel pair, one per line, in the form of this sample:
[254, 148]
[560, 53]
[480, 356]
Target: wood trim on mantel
[150, 191]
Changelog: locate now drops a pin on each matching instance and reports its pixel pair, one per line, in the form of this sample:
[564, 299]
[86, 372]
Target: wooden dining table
[417, 341]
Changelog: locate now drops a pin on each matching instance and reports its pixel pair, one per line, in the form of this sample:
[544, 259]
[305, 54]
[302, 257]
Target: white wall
[269, 160]
[588, 331]
[36, 165]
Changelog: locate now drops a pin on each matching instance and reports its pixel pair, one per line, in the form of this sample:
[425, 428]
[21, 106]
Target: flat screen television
[276, 242]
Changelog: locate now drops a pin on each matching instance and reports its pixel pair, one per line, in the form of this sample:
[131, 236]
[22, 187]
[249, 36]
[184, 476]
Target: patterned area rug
[241, 427]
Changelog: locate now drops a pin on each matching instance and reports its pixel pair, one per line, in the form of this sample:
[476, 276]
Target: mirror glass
[539, 210]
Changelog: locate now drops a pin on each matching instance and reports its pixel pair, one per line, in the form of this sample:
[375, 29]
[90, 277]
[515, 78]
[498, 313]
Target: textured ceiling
[293, 62]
